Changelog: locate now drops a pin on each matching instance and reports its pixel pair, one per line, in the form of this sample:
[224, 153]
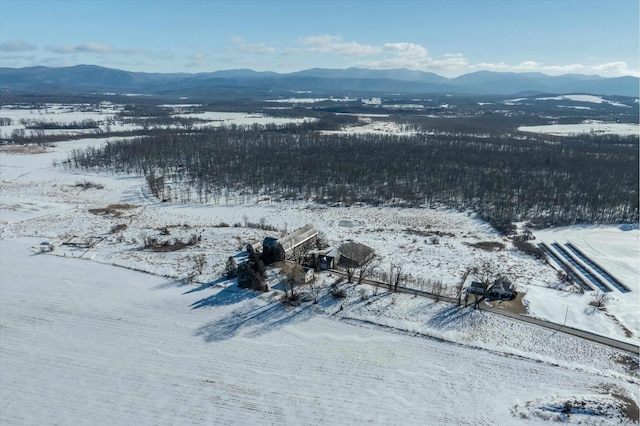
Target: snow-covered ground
[584, 98]
[616, 249]
[89, 343]
[625, 129]
[89, 340]
[367, 125]
[105, 116]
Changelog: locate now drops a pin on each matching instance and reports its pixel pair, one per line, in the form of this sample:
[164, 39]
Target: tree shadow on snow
[456, 317]
[205, 286]
[253, 321]
[227, 296]
[171, 283]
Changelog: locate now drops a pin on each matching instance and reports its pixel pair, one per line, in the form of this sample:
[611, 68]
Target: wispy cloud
[384, 56]
[239, 44]
[490, 66]
[615, 69]
[197, 60]
[335, 45]
[97, 48]
[16, 46]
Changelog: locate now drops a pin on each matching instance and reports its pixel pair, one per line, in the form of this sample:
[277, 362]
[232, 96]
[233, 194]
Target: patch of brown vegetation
[630, 405]
[627, 332]
[23, 149]
[112, 210]
[630, 362]
[487, 245]
[169, 246]
[422, 233]
[117, 228]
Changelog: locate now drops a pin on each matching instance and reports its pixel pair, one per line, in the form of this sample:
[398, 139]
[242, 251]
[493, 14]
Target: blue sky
[448, 37]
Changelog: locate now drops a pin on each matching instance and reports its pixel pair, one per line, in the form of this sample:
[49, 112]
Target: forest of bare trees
[501, 176]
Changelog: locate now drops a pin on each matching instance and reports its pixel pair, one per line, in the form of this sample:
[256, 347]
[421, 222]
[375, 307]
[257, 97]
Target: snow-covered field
[625, 129]
[84, 338]
[367, 125]
[584, 98]
[105, 116]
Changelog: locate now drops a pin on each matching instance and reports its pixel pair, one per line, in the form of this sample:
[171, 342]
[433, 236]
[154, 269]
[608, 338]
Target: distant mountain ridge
[91, 78]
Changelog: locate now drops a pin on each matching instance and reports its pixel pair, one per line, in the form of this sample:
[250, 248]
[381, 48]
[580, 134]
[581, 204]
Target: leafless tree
[199, 262]
[298, 253]
[437, 289]
[315, 291]
[356, 257]
[487, 274]
[321, 241]
[600, 299]
[366, 269]
[394, 276]
[460, 286]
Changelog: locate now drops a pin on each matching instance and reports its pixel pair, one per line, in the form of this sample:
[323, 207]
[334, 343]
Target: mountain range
[353, 81]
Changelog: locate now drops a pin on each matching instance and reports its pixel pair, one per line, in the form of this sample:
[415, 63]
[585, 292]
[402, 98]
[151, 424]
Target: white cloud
[98, 48]
[334, 44]
[611, 69]
[95, 48]
[61, 48]
[16, 46]
[257, 48]
[451, 61]
[615, 69]
[527, 66]
[197, 60]
[491, 66]
[241, 45]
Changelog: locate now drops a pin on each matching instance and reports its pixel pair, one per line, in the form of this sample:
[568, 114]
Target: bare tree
[366, 269]
[356, 257]
[298, 253]
[199, 262]
[437, 289]
[487, 274]
[315, 291]
[460, 286]
[600, 299]
[394, 276]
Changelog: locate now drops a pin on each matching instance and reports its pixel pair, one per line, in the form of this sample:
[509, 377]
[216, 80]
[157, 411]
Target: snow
[311, 100]
[104, 114]
[617, 250]
[625, 129]
[214, 118]
[584, 98]
[90, 340]
[367, 125]
[91, 343]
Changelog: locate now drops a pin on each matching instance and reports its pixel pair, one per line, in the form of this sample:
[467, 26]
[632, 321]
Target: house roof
[297, 237]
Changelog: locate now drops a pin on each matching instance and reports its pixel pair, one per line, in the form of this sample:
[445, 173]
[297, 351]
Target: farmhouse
[500, 289]
[329, 258]
[477, 288]
[503, 289]
[354, 254]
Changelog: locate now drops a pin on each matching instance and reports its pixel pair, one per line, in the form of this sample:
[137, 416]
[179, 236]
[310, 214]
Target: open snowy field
[89, 343]
[625, 129]
[105, 116]
[91, 340]
[616, 249]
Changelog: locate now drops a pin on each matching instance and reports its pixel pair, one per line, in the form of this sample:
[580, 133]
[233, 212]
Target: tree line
[502, 176]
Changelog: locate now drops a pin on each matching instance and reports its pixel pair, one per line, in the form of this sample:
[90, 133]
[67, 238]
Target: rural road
[624, 346]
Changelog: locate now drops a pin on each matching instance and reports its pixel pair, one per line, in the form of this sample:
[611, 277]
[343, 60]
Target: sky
[447, 37]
